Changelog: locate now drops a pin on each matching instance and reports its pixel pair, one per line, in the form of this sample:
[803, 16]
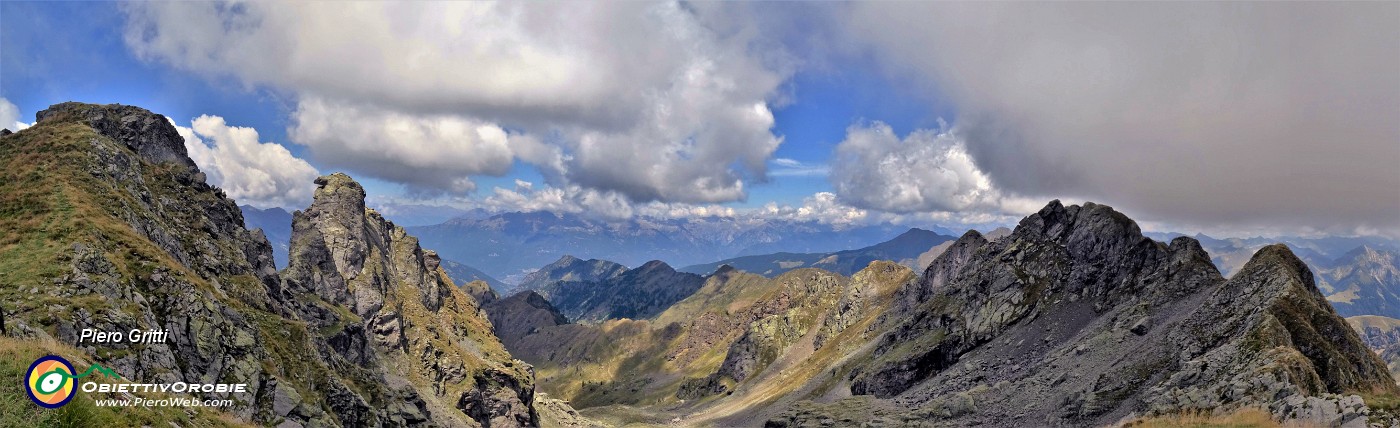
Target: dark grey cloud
[1285, 114]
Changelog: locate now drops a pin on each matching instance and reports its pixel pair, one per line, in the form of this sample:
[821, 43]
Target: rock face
[1073, 319]
[403, 312]
[1078, 319]
[137, 240]
[636, 294]
[151, 136]
[119, 231]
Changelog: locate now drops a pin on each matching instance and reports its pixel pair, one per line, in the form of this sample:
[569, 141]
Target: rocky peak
[402, 307]
[655, 266]
[1279, 263]
[1370, 255]
[148, 134]
[941, 271]
[1270, 322]
[338, 214]
[570, 268]
[1089, 230]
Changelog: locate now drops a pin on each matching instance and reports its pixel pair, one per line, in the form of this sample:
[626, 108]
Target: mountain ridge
[904, 249]
[112, 227]
[518, 242]
[1075, 318]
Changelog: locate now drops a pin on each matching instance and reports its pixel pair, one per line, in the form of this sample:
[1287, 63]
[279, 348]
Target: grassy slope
[17, 411]
[627, 372]
[49, 202]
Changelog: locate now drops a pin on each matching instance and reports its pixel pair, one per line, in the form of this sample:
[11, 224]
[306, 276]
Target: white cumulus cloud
[261, 174]
[654, 101]
[927, 170]
[434, 152]
[568, 199]
[9, 116]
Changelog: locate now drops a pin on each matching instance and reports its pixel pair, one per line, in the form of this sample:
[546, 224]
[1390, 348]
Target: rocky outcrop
[779, 322]
[121, 232]
[135, 239]
[1078, 319]
[401, 310]
[150, 135]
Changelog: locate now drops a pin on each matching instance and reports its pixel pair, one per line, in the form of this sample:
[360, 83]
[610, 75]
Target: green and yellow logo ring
[50, 382]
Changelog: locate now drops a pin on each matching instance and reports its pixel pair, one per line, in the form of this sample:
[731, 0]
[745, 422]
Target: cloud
[9, 116]
[259, 174]
[793, 168]
[1205, 113]
[570, 199]
[926, 171]
[820, 207]
[434, 152]
[654, 101]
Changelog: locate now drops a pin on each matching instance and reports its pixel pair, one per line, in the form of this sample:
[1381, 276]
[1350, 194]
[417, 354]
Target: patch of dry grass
[1243, 418]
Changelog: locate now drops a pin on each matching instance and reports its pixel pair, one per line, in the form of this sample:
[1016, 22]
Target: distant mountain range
[508, 246]
[1359, 275]
[1229, 254]
[903, 249]
[409, 215]
[276, 224]
[1364, 282]
[637, 293]
[463, 274]
[1073, 319]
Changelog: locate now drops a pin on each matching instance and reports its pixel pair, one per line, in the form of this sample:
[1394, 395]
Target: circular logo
[49, 382]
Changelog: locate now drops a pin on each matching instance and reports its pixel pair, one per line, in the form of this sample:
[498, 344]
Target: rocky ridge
[1073, 319]
[739, 338]
[109, 225]
[1077, 319]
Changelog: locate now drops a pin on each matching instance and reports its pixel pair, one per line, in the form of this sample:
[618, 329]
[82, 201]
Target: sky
[1235, 119]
